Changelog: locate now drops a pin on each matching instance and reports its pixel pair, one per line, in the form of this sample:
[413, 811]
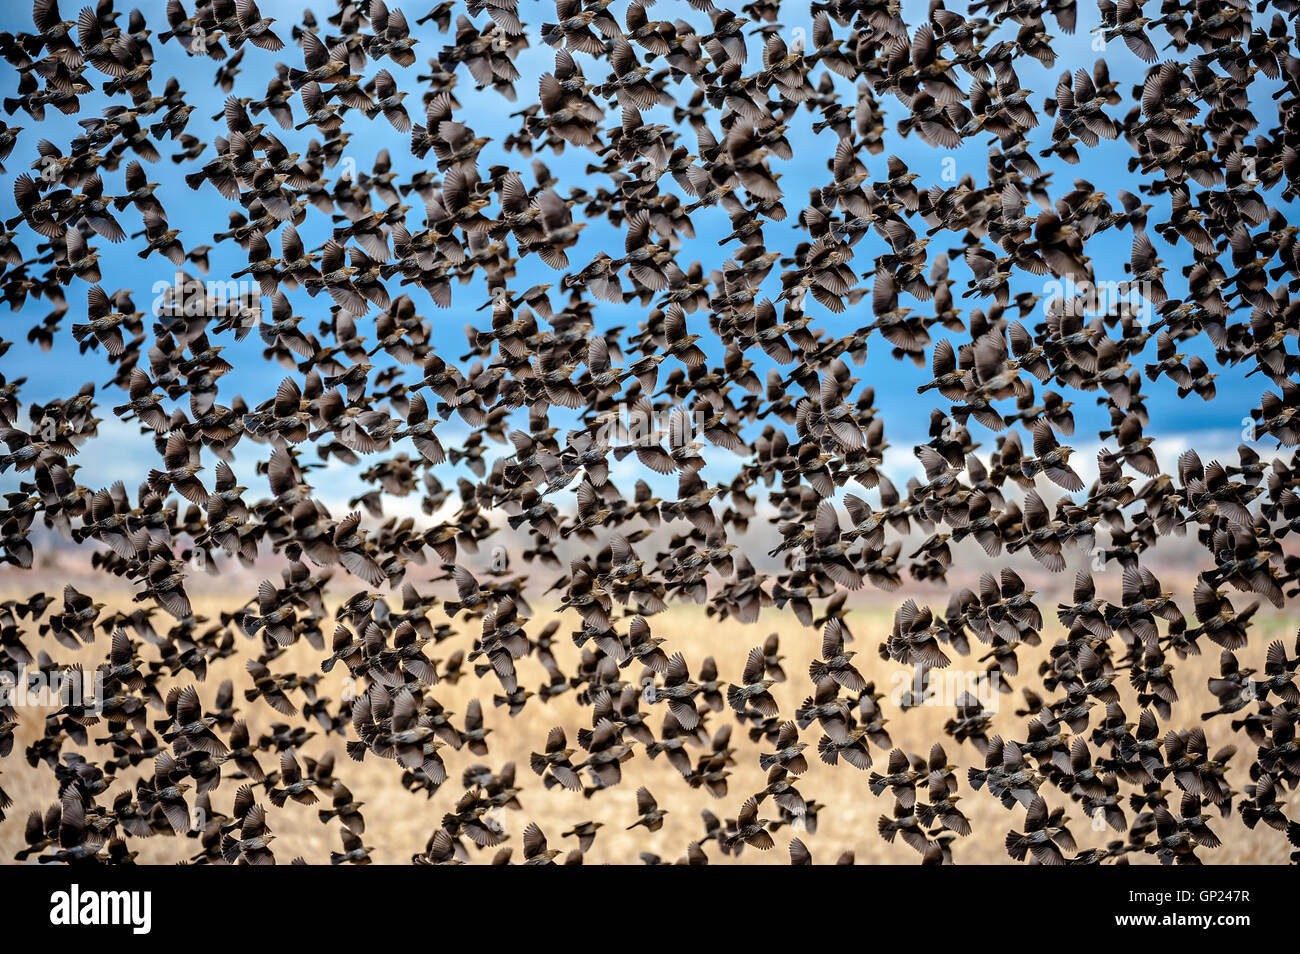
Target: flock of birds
[567, 399]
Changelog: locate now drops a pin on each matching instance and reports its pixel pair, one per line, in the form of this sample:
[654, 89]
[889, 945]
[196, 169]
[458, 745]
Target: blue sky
[200, 214]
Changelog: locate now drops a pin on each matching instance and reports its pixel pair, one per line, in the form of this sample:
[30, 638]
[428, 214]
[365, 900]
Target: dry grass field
[398, 822]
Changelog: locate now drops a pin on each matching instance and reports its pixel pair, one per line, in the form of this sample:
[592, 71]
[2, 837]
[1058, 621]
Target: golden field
[398, 823]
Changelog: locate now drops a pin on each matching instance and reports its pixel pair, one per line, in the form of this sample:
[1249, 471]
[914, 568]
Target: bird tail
[1016, 845]
[229, 848]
